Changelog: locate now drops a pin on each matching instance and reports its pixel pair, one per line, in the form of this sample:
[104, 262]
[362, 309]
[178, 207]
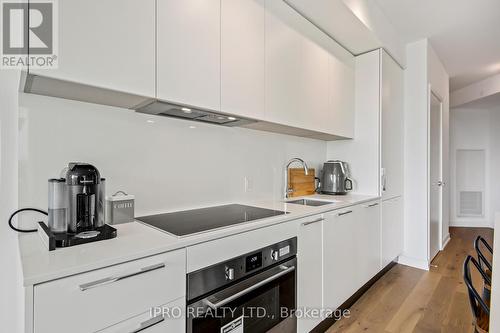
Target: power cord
[24, 210]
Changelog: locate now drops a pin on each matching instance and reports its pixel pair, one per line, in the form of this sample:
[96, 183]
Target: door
[435, 175]
[392, 128]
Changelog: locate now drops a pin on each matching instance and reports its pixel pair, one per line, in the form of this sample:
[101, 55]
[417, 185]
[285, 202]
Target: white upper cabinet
[284, 84]
[392, 127]
[309, 78]
[188, 52]
[341, 85]
[243, 57]
[106, 44]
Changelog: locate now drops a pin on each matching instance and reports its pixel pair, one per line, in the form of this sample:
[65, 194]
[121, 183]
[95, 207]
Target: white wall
[477, 129]
[163, 161]
[11, 300]
[423, 68]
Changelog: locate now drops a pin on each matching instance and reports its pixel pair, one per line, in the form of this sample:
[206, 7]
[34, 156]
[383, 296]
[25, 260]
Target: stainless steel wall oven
[255, 292]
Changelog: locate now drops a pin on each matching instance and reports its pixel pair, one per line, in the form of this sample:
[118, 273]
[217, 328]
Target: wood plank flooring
[407, 299]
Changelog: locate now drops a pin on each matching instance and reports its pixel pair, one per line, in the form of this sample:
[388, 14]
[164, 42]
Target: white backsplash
[168, 164]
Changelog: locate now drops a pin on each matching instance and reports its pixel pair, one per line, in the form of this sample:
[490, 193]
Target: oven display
[253, 261]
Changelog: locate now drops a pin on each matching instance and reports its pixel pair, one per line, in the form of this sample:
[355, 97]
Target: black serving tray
[59, 240]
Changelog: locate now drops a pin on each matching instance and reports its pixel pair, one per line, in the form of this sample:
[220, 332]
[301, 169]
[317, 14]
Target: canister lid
[120, 196]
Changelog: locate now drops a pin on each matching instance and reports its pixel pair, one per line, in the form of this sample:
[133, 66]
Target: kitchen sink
[310, 202]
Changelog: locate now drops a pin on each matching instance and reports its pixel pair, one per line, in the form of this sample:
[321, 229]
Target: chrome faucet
[289, 190]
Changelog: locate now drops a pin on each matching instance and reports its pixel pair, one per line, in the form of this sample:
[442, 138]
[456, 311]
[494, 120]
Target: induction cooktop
[189, 222]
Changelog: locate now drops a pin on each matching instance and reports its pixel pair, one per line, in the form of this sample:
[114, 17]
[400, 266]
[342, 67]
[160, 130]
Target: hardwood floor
[407, 299]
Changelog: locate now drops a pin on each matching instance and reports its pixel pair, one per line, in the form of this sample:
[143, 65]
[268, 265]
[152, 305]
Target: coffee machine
[76, 208]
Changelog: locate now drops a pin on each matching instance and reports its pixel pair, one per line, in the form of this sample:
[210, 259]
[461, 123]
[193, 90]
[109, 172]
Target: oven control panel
[253, 261]
[232, 270]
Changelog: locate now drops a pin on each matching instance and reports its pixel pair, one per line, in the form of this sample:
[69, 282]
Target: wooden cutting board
[300, 183]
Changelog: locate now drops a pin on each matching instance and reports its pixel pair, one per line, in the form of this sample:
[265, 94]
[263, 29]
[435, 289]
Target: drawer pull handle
[312, 222]
[112, 279]
[372, 205]
[345, 213]
[148, 323]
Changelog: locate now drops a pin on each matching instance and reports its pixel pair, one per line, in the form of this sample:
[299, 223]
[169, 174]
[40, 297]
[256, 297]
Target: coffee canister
[120, 208]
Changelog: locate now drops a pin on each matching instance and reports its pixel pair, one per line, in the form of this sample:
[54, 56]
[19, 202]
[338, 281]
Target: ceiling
[488, 103]
[464, 33]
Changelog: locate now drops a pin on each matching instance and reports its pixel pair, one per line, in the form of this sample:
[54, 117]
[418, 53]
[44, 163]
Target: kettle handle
[317, 187]
[348, 184]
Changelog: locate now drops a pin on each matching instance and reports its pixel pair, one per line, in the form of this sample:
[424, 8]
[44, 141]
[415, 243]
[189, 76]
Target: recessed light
[186, 110]
[150, 121]
[231, 118]
[192, 127]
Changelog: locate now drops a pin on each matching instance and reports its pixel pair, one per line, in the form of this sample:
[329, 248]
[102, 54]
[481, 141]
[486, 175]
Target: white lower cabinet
[170, 319]
[392, 229]
[338, 253]
[368, 241]
[92, 301]
[310, 270]
[340, 279]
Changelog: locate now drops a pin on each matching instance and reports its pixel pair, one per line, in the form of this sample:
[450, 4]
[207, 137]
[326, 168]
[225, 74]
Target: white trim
[413, 262]
[445, 241]
[471, 224]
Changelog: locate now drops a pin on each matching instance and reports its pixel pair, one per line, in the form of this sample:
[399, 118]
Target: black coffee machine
[85, 199]
[76, 208]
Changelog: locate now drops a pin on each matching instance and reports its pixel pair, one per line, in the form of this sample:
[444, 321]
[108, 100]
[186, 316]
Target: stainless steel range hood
[167, 109]
[46, 86]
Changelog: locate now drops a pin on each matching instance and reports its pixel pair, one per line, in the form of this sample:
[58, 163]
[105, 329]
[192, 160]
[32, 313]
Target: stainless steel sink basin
[310, 202]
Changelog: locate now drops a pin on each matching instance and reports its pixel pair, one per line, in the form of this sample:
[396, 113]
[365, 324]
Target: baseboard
[413, 262]
[471, 224]
[445, 241]
[328, 322]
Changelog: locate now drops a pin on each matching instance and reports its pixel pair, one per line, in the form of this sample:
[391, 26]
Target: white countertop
[136, 240]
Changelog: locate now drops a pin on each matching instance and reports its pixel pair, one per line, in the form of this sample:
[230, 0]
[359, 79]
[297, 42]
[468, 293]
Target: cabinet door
[310, 273]
[341, 93]
[392, 229]
[188, 46]
[369, 241]
[392, 127]
[340, 261]
[243, 58]
[107, 44]
[283, 62]
[296, 70]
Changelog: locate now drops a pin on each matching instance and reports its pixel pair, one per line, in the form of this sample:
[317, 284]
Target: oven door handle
[282, 271]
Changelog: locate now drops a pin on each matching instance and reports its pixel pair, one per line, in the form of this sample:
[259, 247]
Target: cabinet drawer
[94, 300]
[171, 319]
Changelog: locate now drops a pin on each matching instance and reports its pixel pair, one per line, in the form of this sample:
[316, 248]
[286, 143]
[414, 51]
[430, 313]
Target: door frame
[431, 93]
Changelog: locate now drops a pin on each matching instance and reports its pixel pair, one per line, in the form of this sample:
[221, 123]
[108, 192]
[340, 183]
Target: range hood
[167, 109]
[47, 86]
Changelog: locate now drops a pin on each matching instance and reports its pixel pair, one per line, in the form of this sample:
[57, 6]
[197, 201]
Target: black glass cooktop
[190, 222]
